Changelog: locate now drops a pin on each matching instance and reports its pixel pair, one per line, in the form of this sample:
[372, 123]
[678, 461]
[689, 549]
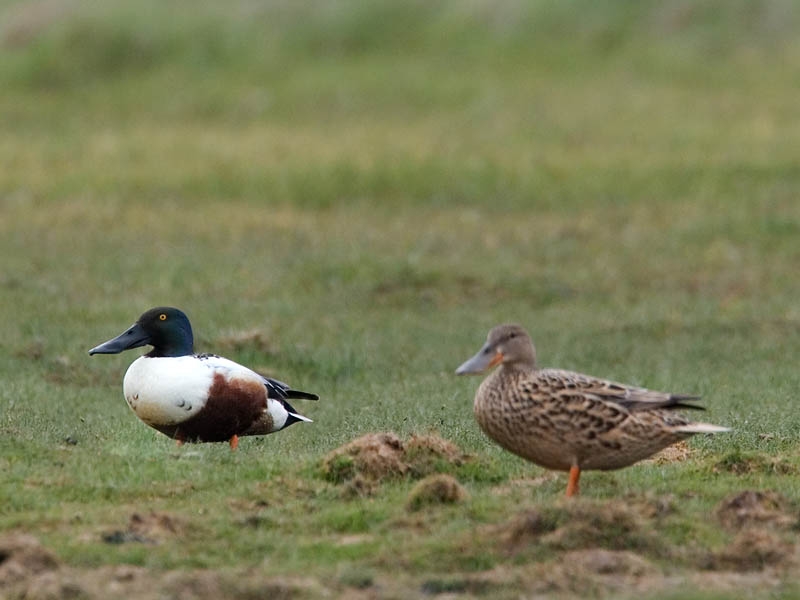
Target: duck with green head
[197, 397]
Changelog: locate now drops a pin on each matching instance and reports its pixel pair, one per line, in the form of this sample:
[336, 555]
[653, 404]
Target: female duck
[568, 421]
[197, 397]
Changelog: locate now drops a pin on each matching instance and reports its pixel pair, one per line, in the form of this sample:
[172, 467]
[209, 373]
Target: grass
[348, 197]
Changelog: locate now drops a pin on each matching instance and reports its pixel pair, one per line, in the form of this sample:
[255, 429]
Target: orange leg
[572, 486]
[234, 442]
[179, 439]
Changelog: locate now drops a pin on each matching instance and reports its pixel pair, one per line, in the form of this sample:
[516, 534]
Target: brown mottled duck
[567, 421]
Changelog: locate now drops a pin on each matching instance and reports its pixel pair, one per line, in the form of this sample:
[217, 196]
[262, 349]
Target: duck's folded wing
[280, 390]
[630, 397]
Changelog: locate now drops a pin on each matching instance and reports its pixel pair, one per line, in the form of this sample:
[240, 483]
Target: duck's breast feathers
[172, 390]
[167, 391]
[632, 398]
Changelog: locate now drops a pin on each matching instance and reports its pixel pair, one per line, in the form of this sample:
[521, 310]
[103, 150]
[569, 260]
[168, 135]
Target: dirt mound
[146, 529]
[29, 570]
[612, 525]
[753, 550]
[22, 556]
[755, 508]
[373, 456]
[436, 489]
[429, 453]
[384, 456]
[525, 528]
[579, 525]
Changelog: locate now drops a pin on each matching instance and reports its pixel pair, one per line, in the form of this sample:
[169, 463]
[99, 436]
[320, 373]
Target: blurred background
[352, 193]
[347, 195]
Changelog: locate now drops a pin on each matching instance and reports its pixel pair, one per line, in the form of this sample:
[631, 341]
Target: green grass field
[347, 196]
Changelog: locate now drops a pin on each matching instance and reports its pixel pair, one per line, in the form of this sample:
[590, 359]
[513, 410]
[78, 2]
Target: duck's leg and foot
[572, 484]
[180, 439]
[234, 442]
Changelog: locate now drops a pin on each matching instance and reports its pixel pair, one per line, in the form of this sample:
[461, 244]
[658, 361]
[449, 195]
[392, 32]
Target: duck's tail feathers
[702, 428]
[294, 416]
[684, 401]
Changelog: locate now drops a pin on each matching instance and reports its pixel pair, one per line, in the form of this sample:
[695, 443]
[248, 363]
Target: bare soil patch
[150, 528]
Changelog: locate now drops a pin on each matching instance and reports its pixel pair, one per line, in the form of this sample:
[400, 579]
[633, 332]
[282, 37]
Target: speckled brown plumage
[568, 421]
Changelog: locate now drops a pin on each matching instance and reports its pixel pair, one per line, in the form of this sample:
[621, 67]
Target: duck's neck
[184, 347]
[177, 342]
[517, 368]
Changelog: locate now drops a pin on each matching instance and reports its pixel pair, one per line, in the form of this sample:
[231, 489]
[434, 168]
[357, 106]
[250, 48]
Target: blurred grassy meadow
[347, 196]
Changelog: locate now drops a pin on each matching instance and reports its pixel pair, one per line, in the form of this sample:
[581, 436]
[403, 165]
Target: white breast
[167, 390]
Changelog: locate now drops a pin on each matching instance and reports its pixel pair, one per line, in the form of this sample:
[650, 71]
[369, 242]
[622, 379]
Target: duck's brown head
[508, 345]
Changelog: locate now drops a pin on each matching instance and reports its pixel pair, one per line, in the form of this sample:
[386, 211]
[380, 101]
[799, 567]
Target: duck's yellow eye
[162, 317]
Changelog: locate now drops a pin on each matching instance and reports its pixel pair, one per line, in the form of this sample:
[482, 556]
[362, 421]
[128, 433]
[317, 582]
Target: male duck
[568, 421]
[197, 397]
